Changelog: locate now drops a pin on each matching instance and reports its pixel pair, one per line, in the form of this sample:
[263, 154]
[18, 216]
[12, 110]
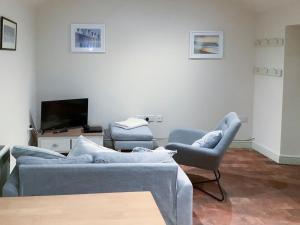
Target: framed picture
[206, 44]
[88, 38]
[8, 34]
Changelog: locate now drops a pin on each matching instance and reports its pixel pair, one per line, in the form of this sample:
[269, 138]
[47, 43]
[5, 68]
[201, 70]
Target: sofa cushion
[209, 140]
[29, 160]
[137, 134]
[18, 151]
[85, 146]
[157, 150]
[135, 157]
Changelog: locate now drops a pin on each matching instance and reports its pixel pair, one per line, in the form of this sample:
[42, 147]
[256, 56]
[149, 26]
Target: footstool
[124, 139]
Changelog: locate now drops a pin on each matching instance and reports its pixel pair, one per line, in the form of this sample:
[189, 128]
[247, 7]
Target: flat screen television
[64, 114]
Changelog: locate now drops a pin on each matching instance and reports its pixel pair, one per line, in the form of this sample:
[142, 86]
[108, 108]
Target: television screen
[64, 114]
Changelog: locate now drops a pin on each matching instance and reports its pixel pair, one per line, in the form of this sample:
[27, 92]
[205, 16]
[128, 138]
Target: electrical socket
[243, 118]
[151, 118]
[159, 118]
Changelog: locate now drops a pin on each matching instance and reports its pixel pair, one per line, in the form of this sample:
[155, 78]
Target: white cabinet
[59, 144]
[64, 142]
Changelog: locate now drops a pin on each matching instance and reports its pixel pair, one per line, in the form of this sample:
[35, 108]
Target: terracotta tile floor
[258, 192]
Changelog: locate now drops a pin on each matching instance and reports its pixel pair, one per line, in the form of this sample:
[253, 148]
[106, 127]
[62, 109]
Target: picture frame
[8, 34]
[88, 38]
[206, 45]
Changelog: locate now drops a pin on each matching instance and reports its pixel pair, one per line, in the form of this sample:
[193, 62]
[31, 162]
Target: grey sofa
[169, 185]
[4, 165]
[204, 158]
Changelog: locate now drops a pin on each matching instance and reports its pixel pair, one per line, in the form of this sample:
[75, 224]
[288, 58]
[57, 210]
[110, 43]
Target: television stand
[63, 130]
[64, 142]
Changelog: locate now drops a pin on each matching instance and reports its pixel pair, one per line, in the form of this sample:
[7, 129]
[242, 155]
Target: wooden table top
[132, 208]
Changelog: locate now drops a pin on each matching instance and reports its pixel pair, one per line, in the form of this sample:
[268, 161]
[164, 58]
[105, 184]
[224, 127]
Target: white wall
[291, 94]
[146, 67]
[268, 94]
[17, 76]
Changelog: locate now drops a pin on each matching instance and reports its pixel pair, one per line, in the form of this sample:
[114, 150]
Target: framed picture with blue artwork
[206, 44]
[88, 38]
[8, 34]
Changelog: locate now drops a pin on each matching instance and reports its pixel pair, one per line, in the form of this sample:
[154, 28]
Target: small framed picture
[8, 34]
[206, 44]
[88, 38]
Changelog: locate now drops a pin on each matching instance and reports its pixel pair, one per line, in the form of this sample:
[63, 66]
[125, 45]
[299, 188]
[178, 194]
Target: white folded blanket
[131, 123]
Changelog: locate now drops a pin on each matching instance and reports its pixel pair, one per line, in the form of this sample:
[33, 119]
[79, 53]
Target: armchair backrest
[230, 125]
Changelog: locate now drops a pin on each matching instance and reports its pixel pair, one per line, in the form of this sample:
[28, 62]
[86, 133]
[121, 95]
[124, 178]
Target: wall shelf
[269, 42]
[265, 71]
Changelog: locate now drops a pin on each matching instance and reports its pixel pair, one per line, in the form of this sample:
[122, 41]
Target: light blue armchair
[208, 159]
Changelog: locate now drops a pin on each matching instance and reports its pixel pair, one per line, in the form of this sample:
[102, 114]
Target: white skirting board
[280, 159]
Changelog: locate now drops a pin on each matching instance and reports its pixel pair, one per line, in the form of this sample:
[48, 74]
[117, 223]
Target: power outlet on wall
[159, 118]
[243, 118]
[151, 118]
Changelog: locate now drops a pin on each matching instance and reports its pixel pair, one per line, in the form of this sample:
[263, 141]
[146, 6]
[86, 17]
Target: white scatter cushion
[85, 146]
[210, 140]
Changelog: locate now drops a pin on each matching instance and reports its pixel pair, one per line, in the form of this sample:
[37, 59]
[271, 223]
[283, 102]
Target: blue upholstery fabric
[137, 134]
[210, 159]
[129, 145]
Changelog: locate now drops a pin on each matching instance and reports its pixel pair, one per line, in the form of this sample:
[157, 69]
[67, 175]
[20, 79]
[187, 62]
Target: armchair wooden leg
[217, 179]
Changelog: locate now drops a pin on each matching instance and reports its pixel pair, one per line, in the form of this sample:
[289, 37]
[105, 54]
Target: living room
[146, 65]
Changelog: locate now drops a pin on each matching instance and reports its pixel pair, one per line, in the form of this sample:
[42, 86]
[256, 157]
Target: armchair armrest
[196, 157]
[185, 136]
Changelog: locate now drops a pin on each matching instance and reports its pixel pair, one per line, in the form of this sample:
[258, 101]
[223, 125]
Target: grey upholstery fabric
[184, 199]
[129, 145]
[137, 134]
[134, 157]
[204, 158]
[29, 160]
[4, 166]
[103, 178]
[11, 187]
[172, 190]
[18, 151]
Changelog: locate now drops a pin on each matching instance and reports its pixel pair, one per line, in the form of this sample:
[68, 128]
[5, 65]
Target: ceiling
[254, 5]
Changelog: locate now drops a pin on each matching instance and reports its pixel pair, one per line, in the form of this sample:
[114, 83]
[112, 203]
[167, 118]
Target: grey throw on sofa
[204, 158]
[169, 185]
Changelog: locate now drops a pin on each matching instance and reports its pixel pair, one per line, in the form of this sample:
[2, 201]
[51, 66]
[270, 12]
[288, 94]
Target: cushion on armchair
[210, 140]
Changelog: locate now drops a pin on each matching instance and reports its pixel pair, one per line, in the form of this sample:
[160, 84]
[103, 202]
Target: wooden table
[136, 208]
